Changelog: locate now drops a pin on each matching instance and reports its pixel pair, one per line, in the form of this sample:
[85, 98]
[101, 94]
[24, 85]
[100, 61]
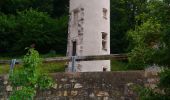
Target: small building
[89, 33]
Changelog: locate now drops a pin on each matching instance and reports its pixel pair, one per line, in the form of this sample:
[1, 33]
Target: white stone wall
[87, 32]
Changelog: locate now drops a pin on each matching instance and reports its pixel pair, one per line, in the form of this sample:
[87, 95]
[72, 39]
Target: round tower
[89, 33]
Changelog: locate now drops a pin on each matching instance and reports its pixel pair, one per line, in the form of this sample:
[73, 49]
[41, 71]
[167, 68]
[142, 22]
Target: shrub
[145, 43]
[29, 78]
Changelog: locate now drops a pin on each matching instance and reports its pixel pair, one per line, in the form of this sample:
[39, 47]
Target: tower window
[74, 48]
[75, 16]
[104, 41]
[104, 13]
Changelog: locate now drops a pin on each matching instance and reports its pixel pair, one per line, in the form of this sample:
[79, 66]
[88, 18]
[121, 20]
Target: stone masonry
[91, 86]
[89, 33]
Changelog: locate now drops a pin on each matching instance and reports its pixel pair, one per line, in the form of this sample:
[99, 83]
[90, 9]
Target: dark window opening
[104, 13]
[104, 41]
[75, 16]
[74, 48]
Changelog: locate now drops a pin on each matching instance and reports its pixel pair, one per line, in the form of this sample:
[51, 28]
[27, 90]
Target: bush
[145, 43]
[29, 78]
[165, 82]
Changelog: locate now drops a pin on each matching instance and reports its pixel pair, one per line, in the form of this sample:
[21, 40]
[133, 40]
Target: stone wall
[91, 86]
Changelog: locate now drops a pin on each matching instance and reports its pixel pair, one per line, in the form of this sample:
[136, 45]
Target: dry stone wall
[91, 86]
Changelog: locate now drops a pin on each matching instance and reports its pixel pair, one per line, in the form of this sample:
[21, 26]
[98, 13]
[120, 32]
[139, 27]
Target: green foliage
[139, 57]
[53, 67]
[29, 78]
[145, 43]
[49, 6]
[32, 27]
[41, 30]
[28, 75]
[44, 82]
[26, 93]
[118, 65]
[149, 94]
[123, 14]
[159, 11]
[150, 45]
[7, 32]
[4, 69]
[165, 81]
[27, 22]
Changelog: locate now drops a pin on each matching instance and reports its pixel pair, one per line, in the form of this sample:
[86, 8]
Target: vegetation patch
[29, 78]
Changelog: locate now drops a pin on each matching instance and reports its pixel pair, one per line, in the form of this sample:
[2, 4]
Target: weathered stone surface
[55, 86]
[63, 79]
[72, 80]
[102, 94]
[5, 82]
[92, 95]
[91, 86]
[153, 86]
[74, 93]
[9, 88]
[65, 93]
[60, 86]
[3, 99]
[78, 85]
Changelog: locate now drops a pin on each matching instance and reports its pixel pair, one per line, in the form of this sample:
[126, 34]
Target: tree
[123, 18]
[29, 78]
[150, 45]
[33, 27]
[38, 28]
[26, 22]
[145, 43]
[55, 8]
[158, 11]
[7, 32]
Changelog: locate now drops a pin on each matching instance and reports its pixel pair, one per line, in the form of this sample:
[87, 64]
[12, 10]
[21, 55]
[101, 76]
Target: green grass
[20, 57]
[51, 55]
[5, 58]
[53, 67]
[45, 68]
[60, 66]
[118, 66]
[4, 69]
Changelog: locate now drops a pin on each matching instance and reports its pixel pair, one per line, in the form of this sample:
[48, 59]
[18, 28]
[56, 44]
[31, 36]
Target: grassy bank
[46, 68]
[118, 65]
[60, 67]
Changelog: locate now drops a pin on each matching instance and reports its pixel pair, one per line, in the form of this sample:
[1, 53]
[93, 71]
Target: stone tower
[89, 33]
